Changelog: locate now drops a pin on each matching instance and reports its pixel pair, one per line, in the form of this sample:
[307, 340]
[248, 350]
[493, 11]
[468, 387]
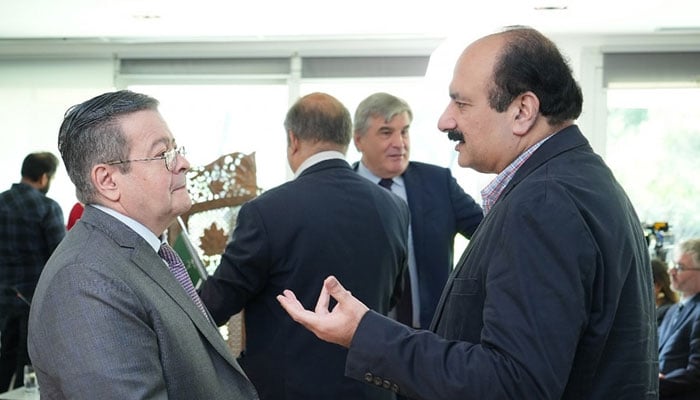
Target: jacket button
[378, 381]
[386, 384]
[395, 388]
[368, 377]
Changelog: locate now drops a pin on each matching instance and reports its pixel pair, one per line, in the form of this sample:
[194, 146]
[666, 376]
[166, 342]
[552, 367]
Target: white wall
[34, 95]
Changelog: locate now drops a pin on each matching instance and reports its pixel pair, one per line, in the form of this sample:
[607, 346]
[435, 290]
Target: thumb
[335, 289]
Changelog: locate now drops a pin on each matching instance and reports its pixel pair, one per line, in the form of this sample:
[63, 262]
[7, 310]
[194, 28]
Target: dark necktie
[386, 183]
[177, 267]
[404, 308]
[677, 316]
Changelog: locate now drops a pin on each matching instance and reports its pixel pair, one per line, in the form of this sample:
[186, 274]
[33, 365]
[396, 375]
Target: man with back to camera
[327, 220]
[439, 207]
[679, 332]
[553, 298]
[31, 226]
[115, 315]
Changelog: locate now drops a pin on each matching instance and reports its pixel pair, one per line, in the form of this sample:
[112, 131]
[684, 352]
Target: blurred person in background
[679, 333]
[31, 226]
[665, 296]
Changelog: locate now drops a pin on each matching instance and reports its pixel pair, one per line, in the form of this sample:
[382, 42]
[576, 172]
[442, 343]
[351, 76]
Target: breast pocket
[464, 287]
[461, 318]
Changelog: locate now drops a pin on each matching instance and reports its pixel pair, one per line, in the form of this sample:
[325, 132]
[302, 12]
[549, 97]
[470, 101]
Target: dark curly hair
[531, 62]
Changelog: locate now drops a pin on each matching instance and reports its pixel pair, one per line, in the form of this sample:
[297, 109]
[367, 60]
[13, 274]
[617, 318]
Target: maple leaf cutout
[213, 240]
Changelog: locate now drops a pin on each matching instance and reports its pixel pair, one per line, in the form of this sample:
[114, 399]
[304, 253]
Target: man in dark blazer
[553, 298]
[439, 207]
[109, 320]
[328, 220]
[679, 332]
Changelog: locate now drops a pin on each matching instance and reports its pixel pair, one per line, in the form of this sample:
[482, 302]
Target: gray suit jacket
[109, 321]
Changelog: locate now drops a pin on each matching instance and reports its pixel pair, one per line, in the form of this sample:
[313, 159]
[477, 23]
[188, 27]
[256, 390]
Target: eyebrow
[164, 141]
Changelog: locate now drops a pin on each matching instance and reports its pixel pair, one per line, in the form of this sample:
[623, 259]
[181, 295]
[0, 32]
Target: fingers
[337, 326]
[324, 299]
[335, 289]
[289, 302]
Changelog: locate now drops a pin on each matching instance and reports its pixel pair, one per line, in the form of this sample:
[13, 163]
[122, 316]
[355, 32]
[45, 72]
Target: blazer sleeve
[686, 380]
[243, 269]
[468, 214]
[53, 228]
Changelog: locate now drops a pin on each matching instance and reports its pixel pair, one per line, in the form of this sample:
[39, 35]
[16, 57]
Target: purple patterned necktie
[177, 267]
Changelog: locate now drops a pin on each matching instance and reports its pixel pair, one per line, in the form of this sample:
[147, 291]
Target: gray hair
[381, 105]
[91, 134]
[692, 247]
[320, 117]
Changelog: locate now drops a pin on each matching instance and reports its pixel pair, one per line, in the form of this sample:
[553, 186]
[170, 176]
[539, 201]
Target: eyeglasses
[169, 156]
[678, 267]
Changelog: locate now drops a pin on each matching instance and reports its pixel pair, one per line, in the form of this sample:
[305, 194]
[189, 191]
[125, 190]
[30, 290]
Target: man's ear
[292, 142]
[526, 110]
[44, 180]
[106, 181]
[357, 139]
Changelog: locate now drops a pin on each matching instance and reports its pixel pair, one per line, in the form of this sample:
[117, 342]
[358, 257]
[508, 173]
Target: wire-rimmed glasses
[169, 156]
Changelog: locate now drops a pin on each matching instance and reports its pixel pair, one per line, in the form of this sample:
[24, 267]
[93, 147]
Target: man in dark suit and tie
[439, 207]
[110, 318]
[327, 220]
[679, 332]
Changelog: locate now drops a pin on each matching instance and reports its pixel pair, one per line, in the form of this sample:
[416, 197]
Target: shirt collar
[366, 173]
[317, 158]
[491, 193]
[136, 226]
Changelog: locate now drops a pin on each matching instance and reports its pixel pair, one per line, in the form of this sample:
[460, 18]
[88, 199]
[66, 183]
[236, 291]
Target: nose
[181, 163]
[397, 140]
[446, 122]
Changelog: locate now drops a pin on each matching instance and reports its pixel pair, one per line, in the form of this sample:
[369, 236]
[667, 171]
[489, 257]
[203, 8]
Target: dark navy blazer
[679, 351]
[440, 209]
[553, 298]
[327, 221]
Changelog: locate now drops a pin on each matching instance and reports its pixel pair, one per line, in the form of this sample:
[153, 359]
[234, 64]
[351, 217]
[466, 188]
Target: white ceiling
[254, 20]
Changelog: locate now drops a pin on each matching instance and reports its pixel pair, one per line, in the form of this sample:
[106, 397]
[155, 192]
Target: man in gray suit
[110, 318]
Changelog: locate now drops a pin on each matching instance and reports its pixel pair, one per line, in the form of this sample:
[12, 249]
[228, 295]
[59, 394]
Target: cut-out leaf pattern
[213, 241]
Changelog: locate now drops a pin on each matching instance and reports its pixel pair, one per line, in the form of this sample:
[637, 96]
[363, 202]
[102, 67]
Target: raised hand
[337, 325]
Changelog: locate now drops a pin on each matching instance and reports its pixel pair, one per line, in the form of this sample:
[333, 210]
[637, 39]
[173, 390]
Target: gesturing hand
[337, 325]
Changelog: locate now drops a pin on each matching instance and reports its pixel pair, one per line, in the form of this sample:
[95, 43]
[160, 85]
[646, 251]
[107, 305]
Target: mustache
[455, 135]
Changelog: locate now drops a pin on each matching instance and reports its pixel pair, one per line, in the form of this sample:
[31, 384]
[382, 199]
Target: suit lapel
[143, 256]
[563, 141]
[416, 204]
[666, 328]
[672, 322]
[149, 262]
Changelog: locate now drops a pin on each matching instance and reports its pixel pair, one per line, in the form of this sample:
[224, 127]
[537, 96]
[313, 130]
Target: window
[653, 143]
[215, 119]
